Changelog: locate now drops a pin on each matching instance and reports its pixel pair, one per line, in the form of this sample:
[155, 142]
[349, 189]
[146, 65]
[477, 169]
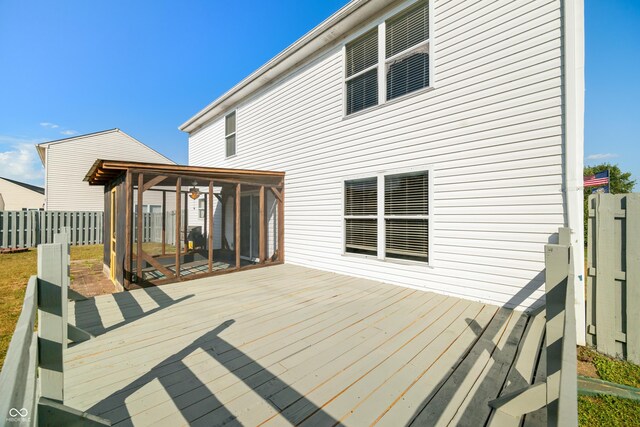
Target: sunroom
[169, 223]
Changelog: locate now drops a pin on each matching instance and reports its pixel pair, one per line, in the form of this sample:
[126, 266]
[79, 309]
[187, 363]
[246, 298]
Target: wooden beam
[223, 243]
[139, 227]
[154, 262]
[222, 179]
[217, 273]
[263, 228]
[164, 222]
[237, 239]
[277, 193]
[186, 222]
[280, 226]
[210, 230]
[153, 182]
[128, 228]
[177, 232]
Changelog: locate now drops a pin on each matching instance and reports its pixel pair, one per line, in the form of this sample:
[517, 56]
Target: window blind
[407, 239]
[362, 53]
[408, 71]
[406, 209]
[230, 134]
[362, 91]
[230, 123]
[362, 236]
[407, 29]
[406, 194]
[407, 75]
[361, 199]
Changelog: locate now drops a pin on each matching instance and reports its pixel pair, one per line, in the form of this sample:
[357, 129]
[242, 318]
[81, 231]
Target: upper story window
[389, 61]
[407, 51]
[230, 134]
[362, 72]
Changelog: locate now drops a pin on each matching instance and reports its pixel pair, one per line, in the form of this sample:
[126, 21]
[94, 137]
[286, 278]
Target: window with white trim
[362, 72]
[402, 221]
[404, 58]
[230, 134]
[201, 208]
[406, 216]
[361, 216]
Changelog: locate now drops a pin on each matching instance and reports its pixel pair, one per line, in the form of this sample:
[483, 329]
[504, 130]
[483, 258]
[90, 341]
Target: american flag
[597, 180]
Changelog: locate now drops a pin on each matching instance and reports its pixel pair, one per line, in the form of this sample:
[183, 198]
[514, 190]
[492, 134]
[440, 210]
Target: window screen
[361, 223]
[406, 209]
[230, 133]
[408, 68]
[361, 72]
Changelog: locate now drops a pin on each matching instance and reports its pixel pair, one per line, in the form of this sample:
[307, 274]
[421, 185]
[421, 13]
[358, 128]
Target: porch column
[178, 214]
[128, 238]
[164, 221]
[139, 228]
[262, 225]
[237, 238]
[210, 229]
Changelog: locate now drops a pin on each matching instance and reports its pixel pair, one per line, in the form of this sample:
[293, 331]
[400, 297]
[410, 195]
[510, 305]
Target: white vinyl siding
[492, 131]
[15, 197]
[69, 161]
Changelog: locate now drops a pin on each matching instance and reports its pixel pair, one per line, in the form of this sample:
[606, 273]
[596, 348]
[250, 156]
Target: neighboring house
[66, 162]
[434, 145]
[16, 195]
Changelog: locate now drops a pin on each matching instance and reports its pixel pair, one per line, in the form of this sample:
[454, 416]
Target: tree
[619, 182]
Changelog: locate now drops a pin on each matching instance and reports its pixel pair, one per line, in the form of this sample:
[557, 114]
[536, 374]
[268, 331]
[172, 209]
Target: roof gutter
[332, 29]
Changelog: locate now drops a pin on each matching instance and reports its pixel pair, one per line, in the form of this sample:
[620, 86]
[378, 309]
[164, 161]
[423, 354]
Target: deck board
[288, 345]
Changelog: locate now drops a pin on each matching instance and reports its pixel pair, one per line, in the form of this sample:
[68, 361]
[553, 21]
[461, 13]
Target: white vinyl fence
[26, 229]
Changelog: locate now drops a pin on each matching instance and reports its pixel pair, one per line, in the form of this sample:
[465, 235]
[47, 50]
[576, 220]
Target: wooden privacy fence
[26, 229]
[32, 377]
[152, 227]
[613, 275]
[559, 392]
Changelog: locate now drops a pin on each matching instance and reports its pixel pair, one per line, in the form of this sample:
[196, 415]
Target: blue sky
[74, 67]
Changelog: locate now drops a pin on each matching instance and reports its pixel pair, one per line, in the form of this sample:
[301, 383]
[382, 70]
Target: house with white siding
[435, 145]
[67, 160]
[16, 195]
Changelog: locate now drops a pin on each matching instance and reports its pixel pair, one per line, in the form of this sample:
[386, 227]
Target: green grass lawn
[15, 270]
[609, 410]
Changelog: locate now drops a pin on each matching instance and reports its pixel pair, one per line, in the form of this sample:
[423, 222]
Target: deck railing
[32, 377]
[559, 392]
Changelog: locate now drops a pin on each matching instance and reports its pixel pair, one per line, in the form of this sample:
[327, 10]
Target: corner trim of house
[573, 64]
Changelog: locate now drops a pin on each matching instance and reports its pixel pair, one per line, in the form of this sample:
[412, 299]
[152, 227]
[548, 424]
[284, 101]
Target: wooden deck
[288, 345]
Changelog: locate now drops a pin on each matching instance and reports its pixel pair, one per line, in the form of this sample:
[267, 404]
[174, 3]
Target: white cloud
[69, 132]
[49, 125]
[19, 160]
[601, 156]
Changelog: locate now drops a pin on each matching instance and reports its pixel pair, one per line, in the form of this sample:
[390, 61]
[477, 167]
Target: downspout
[573, 84]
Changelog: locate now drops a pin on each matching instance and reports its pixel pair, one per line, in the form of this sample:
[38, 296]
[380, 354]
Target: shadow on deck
[303, 347]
